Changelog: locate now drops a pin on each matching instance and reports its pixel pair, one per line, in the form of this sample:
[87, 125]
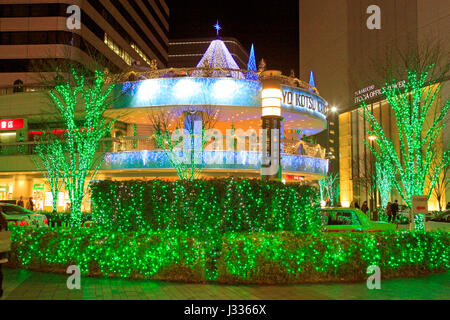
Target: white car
[19, 216]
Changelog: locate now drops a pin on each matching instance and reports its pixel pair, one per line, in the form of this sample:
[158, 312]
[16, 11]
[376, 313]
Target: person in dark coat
[364, 207]
[394, 210]
[20, 202]
[3, 227]
[356, 205]
[389, 211]
[30, 204]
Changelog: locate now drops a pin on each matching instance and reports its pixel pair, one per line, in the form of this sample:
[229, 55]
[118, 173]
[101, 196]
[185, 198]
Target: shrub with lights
[205, 207]
[260, 258]
[226, 230]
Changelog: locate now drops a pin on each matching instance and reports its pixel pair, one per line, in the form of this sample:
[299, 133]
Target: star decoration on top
[217, 27]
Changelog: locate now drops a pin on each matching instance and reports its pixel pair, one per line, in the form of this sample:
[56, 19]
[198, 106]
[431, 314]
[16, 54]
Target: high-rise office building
[127, 33]
[343, 53]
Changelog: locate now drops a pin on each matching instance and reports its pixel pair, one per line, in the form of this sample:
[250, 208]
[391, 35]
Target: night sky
[273, 26]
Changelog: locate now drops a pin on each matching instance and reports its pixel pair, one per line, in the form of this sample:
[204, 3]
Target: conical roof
[218, 56]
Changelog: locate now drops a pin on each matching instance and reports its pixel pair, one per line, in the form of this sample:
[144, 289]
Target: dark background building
[272, 26]
[125, 32]
[345, 55]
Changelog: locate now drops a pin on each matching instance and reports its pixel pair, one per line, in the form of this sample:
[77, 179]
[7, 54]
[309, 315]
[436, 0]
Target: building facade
[345, 57]
[234, 98]
[125, 33]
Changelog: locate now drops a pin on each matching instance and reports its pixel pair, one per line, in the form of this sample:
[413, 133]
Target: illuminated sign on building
[11, 124]
[298, 99]
[372, 92]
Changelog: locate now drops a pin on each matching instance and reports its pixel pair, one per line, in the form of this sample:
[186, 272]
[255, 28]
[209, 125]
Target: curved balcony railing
[141, 153]
[232, 160]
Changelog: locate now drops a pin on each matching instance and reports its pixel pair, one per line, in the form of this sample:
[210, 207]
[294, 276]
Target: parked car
[352, 220]
[22, 217]
[442, 217]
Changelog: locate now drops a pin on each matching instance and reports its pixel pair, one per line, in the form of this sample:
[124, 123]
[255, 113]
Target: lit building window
[140, 53]
[118, 50]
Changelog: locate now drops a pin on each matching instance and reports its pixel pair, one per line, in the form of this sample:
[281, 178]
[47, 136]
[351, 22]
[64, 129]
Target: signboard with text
[419, 205]
[11, 124]
[301, 100]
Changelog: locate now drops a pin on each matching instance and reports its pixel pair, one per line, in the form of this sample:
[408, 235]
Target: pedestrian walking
[365, 207]
[30, 204]
[394, 210]
[5, 244]
[20, 202]
[389, 211]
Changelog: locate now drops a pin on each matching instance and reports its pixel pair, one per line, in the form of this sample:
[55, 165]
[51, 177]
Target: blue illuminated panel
[191, 92]
[242, 160]
[303, 101]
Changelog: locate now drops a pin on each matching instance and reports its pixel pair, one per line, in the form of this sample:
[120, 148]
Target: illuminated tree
[80, 99]
[332, 188]
[47, 161]
[419, 120]
[184, 140]
[384, 181]
[322, 189]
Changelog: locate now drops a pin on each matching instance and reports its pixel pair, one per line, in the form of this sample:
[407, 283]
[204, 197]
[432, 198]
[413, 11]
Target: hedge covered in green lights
[206, 207]
[263, 258]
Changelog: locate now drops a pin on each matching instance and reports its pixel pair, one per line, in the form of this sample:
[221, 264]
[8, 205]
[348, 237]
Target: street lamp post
[271, 97]
[372, 140]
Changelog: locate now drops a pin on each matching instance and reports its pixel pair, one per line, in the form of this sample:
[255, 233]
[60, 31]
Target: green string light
[418, 129]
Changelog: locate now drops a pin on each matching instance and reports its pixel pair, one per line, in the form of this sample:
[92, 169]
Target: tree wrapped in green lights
[189, 130]
[322, 189]
[384, 181]
[420, 120]
[80, 99]
[48, 161]
[330, 186]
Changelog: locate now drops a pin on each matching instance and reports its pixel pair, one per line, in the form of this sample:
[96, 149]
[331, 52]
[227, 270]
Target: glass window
[343, 218]
[14, 210]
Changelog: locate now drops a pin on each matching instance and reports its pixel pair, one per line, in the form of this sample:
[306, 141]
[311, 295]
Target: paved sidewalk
[25, 285]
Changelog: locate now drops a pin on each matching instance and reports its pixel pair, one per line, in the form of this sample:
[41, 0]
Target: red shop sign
[11, 124]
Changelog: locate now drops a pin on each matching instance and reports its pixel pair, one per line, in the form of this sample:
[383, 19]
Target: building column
[271, 97]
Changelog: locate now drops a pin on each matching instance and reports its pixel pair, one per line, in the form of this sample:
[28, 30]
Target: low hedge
[57, 219]
[260, 258]
[164, 256]
[297, 258]
[204, 207]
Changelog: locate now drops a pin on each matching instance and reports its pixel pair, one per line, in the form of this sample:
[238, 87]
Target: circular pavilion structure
[231, 99]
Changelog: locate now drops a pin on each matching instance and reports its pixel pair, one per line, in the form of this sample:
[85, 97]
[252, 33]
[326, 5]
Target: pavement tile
[25, 285]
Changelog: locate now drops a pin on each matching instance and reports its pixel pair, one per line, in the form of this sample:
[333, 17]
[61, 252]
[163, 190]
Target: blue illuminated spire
[312, 83]
[217, 56]
[252, 65]
[218, 28]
